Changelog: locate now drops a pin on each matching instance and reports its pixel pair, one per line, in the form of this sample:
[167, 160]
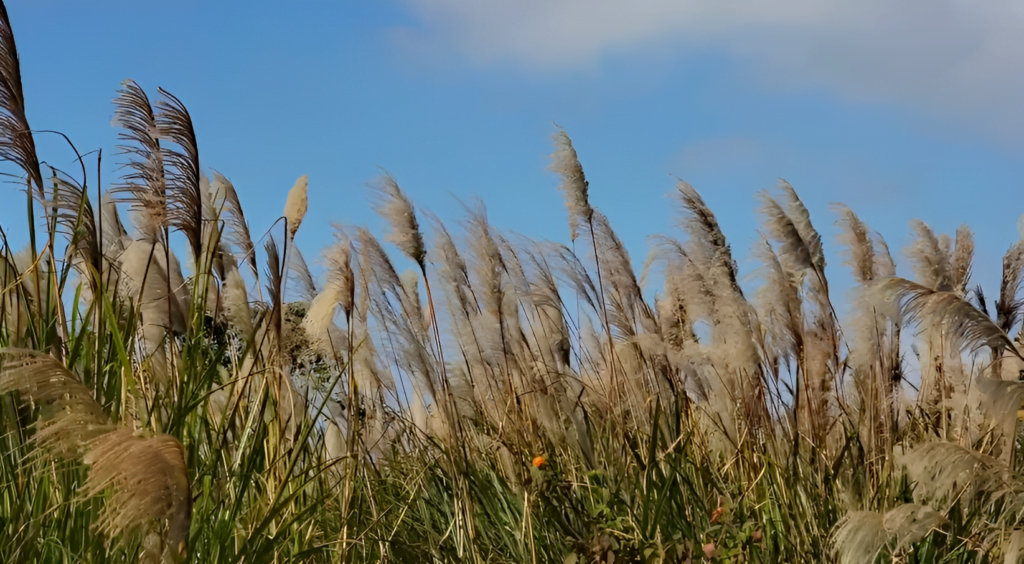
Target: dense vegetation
[528, 404]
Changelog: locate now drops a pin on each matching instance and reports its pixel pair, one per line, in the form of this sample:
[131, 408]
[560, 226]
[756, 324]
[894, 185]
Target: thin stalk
[604, 315]
[35, 253]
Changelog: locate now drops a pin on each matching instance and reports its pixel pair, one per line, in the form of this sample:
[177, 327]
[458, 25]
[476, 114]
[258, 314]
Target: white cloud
[961, 58]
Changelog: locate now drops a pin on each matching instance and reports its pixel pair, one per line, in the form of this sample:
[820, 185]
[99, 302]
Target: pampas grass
[148, 477]
[574, 186]
[506, 400]
[862, 535]
[296, 204]
[394, 206]
[962, 324]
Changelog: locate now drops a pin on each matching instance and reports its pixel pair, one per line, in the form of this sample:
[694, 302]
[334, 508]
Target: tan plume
[298, 272]
[339, 290]
[234, 219]
[1015, 547]
[859, 252]
[885, 266]
[799, 246]
[860, 536]
[929, 258]
[296, 204]
[1003, 398]
[942, 470]
[147, 476]
[574, 186]
[395, 207]
[801, 218]
[115, 237]
[145, 182]
[702, 226]
[148, 481]
[235, 303]
[69, 416]
[16, 142]
[1009, 306]
[71, 206]
[962, 324]
[961, 260]
[181, 166]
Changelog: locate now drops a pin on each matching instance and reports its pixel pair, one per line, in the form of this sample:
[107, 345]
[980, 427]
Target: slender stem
[35, 255]
[604, 314]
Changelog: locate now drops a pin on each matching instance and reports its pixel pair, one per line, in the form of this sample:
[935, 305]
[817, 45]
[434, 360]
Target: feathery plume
[148, 481]
[411, 346]
[572, 272]
[396, 208]
[338, 260]
[1009, 306]
[801, 219]
[235, 303]
[296, 204]
[181, 165]
[962, 324]
[154, 281]
[800, 245]
[910, 523]
[702, 226]
[275, 289]
[855, 238]
[319, 320]
[69, 416]
[488, 264]
[115, 237]
[298, 272]
[1003, 398]
[943, 470]
[1015, 547]
[780, 305]
[234, 219]
[574, 186]
[885, 267]
[860, 536]
[145, 183]
[961, 259]
[147, 477]
[793, 250]
[152, 278]
[628, 311]
[411, 292]
[452, 268]
[16, 142]
[339, 290]
[335, 445]
[74, 213]
[929, 258]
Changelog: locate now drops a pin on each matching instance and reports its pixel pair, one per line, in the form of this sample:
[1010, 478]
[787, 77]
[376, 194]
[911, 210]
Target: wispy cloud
[963, 59]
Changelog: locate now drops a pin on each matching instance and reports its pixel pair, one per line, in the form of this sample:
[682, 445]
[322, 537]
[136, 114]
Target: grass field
[179, 388]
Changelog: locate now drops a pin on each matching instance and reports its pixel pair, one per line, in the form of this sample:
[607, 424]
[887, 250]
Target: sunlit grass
[505, 400]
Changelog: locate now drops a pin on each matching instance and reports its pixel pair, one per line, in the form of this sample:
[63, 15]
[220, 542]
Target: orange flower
[539, 461]
[717, 513]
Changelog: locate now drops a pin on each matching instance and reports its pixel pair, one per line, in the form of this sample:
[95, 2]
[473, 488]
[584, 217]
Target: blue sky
[900, 110]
